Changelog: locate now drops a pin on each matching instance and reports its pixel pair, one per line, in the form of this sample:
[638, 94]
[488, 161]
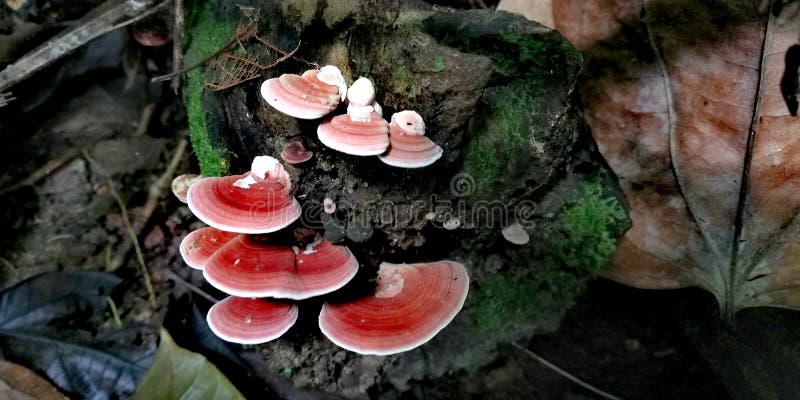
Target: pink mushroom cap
[313, 95]
[249, 266]
[198, 246]
[250, 321]
[411, 304]
[256, 202]
[409, 148]
[295, 153]
[367, 137]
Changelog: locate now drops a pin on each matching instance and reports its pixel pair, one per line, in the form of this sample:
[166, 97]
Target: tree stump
[497, 94]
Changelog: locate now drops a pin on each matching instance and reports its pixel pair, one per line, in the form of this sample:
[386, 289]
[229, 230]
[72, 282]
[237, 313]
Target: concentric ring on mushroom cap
[198, 246]
[359, 138]
[250, 321]
[411, 304]
[249, 266]
[256, 202]
[306, 96]
[409, 148]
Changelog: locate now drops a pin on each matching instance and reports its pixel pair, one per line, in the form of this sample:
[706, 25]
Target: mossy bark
[496, 92]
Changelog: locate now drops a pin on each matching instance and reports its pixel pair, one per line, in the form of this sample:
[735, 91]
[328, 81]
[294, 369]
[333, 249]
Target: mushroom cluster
[265, 279]
[361, 131]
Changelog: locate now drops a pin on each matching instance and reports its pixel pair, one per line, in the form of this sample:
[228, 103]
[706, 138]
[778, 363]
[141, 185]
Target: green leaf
[178, 373]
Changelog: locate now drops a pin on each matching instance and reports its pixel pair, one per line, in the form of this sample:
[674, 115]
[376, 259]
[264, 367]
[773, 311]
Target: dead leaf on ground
[673, 90]
[20, 383]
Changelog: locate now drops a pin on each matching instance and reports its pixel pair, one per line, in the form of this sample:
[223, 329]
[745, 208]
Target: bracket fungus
[360, 132]
[516, 234]
[251, 266]
[309, 96]
[256, 202]
[409, 147]
[198, 246]
[411, 304]
[250, 321]
[295, 153]
[182, 183]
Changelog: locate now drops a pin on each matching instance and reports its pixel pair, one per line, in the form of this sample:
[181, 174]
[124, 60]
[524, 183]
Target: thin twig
[178, 34]
[114, 311]
[140, 17]
[102, 19]
[6, 98]
[153, 195]
[565, 374]
[144, 119]
[177, 279]
[246, 31]
[151, 295]
[43, 171]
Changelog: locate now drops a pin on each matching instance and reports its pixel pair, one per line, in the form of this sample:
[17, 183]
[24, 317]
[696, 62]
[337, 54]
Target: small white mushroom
[328, 206]
[181, 184]
[516, 234]
[452, 224]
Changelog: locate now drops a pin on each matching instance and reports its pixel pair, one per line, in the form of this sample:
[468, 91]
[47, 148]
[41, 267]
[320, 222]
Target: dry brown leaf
[540, 11]
[20, 383]
[672, 91]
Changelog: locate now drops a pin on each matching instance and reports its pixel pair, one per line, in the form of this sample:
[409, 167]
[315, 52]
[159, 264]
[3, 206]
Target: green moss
[501, 134]
[590, 227]
[213, 161]
[528, 67]
[405, 83]
[502, 299]
[438, 64]
[585, 236]
[505, 300]
[207, 34]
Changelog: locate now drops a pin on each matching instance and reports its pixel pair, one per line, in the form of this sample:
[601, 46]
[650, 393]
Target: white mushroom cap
[361, 92]
[516, 234]
[410, 122]
[333, 76]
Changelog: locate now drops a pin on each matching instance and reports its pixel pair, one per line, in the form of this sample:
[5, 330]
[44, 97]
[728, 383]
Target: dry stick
[176, 278]
[245, 32]
[43, 171]
[178, 33]
[144, 119]
[114, 311]
[151, 295]
[102, 19]
[565, 374]
[154, 194]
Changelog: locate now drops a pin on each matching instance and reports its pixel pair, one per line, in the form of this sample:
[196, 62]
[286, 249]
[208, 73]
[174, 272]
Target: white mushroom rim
[265, 167]
[331, 75]
[361, 92]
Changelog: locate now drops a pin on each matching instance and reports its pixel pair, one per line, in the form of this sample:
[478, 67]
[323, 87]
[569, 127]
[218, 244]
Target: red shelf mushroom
[409, 148]
[198, 246]
[295, 153]
[249, 266]
[411, 304]
[360, 138]
[360, 132]
[256, 202]
[250, 321]
[310, 96]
